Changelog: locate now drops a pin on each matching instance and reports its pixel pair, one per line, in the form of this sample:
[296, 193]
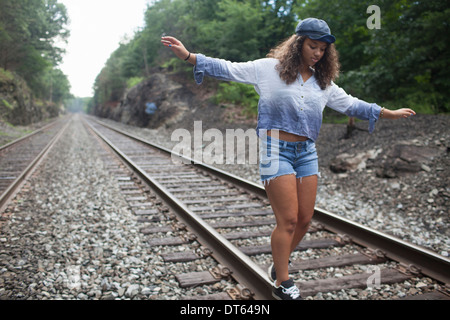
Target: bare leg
[306, 191]
[293, 203]
[282, 194]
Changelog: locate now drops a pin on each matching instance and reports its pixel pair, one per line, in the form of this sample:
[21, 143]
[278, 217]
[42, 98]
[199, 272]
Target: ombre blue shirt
[295, 108]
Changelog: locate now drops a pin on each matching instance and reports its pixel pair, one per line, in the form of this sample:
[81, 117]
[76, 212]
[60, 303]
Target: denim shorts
[278, 158]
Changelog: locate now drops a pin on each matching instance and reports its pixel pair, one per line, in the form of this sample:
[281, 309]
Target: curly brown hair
[289, 53]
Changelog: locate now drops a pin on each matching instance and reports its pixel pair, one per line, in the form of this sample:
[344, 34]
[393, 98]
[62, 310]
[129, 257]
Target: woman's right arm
[244, 72]
[179, 50]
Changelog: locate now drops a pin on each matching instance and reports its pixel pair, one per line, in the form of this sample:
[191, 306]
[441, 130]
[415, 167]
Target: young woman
[295, 83]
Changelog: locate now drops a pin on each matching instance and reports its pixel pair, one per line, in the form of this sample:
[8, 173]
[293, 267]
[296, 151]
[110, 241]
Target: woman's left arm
[340, 101]
[396, 114]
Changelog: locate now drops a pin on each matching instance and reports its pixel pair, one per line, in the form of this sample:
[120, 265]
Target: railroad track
[19, 158]
[230, 220]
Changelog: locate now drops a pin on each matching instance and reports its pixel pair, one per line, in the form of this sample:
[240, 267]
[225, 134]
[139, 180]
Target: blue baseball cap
[315, 29]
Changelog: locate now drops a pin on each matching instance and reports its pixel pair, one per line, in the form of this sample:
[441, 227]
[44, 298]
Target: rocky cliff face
[155, 102]
[17, 105]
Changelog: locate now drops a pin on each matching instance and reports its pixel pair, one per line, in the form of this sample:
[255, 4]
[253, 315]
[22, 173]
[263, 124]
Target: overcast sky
[96, 27]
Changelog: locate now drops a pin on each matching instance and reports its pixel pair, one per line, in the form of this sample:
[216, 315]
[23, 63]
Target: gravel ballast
[70, 235]
[410, 206]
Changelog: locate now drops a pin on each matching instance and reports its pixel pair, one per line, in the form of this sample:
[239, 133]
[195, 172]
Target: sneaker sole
[279, 298]
[269, 273]
[275, 296]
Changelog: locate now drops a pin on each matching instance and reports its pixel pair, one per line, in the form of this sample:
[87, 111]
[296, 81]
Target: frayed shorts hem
[266, 181]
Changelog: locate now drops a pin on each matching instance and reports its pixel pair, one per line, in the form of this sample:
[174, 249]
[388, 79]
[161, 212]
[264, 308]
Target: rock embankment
[17, 104]
[156, 102]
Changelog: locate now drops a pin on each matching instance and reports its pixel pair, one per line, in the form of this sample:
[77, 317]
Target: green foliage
[134, 81]
[5, 76]
[6, 104]
[238, 94]
[52, 85]
[175, 65]
[29, 30]
[405, 63]
[31, 24]
[235, 31]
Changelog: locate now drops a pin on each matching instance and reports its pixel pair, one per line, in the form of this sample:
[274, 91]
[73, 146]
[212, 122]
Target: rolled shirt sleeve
[342, 102]
[244, 72]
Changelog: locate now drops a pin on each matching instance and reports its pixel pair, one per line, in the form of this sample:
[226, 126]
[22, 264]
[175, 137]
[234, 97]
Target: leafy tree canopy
[29, 33]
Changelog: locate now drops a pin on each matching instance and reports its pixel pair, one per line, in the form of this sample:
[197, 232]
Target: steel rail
[15, 186]
[9, 144]
[430, 263]
[245, 271]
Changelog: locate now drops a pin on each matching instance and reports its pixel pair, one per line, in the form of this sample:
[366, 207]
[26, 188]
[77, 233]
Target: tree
[29, 30]
[405, 62]
[415, 52]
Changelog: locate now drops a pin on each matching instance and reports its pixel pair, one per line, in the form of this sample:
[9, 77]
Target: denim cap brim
[326, 38]
[319, 36]
[315, 29]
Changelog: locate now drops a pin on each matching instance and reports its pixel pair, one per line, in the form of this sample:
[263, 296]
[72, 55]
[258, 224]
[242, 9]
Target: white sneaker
[286, 291]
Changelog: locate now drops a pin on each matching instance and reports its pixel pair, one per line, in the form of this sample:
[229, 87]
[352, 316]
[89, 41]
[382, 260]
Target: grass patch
[6, 104]
[5, 75]
[134, 82]
[238, 94]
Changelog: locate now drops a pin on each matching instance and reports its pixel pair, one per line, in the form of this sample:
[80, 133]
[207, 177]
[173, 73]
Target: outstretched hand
[399, 113]
[177, 47]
